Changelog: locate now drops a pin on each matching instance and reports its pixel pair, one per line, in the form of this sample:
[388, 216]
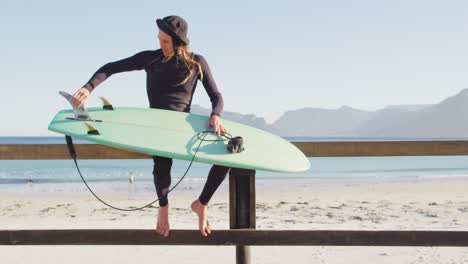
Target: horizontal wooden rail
[383, 148]
[60, 151]
[310, 149]
[236, 237]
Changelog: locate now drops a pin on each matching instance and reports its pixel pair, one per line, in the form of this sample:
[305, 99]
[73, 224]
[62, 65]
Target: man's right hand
[80, 97]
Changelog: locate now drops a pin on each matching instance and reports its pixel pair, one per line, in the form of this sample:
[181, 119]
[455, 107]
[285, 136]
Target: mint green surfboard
[174, 134]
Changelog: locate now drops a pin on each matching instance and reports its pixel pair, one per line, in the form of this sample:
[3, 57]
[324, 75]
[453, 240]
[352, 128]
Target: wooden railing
[242, 231]
[310, 149]
[236, 237]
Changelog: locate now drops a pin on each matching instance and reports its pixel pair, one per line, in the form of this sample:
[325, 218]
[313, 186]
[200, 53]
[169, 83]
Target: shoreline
[142, 190]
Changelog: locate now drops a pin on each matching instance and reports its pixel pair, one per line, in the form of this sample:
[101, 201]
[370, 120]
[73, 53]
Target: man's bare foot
[162, 227]
[202, 213]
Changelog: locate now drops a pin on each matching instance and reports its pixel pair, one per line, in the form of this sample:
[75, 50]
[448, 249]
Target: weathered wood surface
[310, 149]
[236, 237]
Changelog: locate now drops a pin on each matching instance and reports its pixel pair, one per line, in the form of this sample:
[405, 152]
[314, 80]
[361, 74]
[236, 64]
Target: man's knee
[162, 167]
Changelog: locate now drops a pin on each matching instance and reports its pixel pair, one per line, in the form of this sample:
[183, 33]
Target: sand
[418, 205]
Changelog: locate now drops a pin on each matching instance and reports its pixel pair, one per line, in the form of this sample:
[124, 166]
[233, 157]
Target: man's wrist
[88, 87]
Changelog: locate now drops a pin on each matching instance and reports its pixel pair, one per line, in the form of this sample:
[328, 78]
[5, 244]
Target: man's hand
[80, 97]
[215, 122]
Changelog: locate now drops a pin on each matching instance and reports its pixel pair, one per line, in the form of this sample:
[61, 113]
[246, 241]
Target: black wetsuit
[164, 92]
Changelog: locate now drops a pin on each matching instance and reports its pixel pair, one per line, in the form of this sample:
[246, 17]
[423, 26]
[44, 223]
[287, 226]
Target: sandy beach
[429, 204]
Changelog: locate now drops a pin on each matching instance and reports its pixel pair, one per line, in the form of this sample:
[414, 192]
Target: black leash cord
[72, 152]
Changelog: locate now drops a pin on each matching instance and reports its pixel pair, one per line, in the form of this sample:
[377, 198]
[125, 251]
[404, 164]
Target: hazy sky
[267, 57]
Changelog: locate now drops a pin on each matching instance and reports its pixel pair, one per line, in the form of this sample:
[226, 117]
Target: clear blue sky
[267, 57]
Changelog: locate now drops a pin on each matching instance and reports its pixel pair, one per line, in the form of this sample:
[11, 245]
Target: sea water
[56, 176]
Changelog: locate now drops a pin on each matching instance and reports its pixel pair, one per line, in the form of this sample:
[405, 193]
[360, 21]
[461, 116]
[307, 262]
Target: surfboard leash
[235, 145]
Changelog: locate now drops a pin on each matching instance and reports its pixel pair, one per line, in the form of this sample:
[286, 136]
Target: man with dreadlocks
[172, 73]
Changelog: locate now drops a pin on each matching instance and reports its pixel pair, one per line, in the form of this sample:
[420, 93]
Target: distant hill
[445, 119]
[321, 122]
[389, 117]
[406, 107]
[250, 120]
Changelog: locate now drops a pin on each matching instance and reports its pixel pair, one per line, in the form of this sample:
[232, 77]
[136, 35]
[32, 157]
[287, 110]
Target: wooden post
[242, 207]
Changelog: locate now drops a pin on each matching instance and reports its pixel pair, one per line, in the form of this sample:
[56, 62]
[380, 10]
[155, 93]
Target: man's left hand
[215, 122]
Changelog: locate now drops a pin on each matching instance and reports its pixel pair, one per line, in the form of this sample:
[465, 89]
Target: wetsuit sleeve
[136, 62]
[211, 89]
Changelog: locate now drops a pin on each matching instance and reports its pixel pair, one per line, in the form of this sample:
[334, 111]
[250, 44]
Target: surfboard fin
[106, 104]
[80, 112]
[91, 130]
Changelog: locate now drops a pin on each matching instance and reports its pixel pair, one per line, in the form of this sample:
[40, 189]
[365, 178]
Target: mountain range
[441, 120]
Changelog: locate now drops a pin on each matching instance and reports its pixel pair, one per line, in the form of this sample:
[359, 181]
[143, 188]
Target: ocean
[112, 176]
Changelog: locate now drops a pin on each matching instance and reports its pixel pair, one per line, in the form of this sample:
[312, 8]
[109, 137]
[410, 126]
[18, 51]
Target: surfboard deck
[173, 134]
